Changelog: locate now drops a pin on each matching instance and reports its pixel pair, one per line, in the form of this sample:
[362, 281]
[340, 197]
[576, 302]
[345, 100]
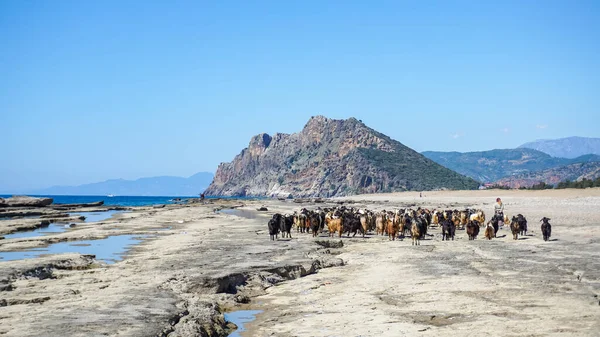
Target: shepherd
[499, 208]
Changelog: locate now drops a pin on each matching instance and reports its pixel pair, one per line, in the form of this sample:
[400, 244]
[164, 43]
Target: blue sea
[114, 201]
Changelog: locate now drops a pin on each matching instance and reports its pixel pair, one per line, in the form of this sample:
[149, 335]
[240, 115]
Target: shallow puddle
[51, 229]
[109, 250]
[239, 318]
[243, 213]
[97, 216]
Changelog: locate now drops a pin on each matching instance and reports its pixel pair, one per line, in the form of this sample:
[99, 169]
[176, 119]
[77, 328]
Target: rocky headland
[330, 158]
[25, 201]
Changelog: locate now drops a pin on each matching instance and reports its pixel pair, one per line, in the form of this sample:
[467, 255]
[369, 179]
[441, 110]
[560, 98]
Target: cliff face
[330, 158]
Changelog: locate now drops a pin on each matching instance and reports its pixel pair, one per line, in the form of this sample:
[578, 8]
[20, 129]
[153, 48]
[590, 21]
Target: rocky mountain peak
[348, 134]
[259, 144]
[316, 122]
[317, 127]
[329, 157]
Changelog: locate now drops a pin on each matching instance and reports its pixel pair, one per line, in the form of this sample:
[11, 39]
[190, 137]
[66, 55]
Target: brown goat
[402, 226]
[301, 222]
[478, 216]
[415, 232]
[334, 225]
[392, 229]
[380, 223]
[364, 222]
[435, 219]
[456, 220]
[464, 218]
[515, 228]
[489, 231]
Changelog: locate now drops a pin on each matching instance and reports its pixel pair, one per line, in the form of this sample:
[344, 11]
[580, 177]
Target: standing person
[499, 210]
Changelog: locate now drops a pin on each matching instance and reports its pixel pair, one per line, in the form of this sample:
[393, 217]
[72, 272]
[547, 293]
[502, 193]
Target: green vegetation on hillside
[572, 172]
[493, 165]
[411, 171]
[539, 186]
[583, 183]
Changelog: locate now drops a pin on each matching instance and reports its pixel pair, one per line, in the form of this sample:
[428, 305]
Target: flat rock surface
[190, 262]
[500, 287]
[196, 262]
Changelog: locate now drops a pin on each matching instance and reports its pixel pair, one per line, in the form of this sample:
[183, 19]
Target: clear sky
[92, 90]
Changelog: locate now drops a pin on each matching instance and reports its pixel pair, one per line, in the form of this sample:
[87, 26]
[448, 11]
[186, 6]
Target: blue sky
[92, 90]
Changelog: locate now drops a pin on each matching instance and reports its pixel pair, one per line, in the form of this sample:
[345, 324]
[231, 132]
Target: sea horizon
[120, 200]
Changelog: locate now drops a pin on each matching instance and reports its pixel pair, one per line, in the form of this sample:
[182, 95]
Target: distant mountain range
[153, 186]
[493, 165]
[342, 157]
[571, 147]
[553, 176]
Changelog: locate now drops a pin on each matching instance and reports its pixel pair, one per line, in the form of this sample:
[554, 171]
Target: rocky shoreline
[192, 267]
[196, 263]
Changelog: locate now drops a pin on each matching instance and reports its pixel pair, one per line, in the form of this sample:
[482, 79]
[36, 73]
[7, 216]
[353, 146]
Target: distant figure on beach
[202, 196]
[420, 194]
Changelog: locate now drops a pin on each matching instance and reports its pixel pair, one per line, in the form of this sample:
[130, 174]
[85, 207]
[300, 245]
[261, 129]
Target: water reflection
[51, 229]
[97, 216]
[109, 250]
[239, 318]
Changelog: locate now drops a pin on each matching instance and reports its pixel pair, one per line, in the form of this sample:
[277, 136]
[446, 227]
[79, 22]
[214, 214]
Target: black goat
[522, 224]
[351, 224]
[546, 228]
[473, 229]
[273, 228]
[285, 225]
[448, 230]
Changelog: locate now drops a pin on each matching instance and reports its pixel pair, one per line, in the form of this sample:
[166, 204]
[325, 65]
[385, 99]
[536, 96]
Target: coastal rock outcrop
[330, 158]
[69, 206]
[25, 201]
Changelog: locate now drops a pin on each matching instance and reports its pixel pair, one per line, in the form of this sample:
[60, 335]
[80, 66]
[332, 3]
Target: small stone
[241, 299]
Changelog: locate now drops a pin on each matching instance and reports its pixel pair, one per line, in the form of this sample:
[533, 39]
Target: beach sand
[195, 264]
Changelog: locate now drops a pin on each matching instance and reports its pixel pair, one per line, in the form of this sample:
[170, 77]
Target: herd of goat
[399, 223]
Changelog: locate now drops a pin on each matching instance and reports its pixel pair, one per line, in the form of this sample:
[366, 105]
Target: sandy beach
[194, 264]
